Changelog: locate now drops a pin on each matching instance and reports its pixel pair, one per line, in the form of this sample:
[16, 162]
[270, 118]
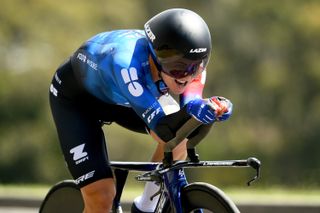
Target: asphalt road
[18, 210]
[32, 206]
[248, 209]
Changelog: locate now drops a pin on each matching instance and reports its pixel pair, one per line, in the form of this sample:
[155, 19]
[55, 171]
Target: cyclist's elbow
[162, 133]
[167, 127]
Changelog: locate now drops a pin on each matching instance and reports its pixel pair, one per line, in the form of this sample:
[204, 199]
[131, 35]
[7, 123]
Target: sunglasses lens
[191, 70]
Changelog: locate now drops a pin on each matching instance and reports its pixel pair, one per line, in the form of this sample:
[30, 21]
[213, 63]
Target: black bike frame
[172, 177]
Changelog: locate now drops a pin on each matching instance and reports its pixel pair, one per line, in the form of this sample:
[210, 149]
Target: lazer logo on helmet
[53, 90]
[198, 50]
[150, 34]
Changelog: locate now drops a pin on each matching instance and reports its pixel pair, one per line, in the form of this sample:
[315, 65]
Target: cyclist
[129, 77]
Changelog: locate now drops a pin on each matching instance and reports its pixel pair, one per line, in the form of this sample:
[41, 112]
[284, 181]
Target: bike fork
[174, 181]
[161, 202]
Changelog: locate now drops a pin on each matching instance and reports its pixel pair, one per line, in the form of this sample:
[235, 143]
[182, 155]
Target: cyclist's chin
[176, 86]
[177, 90]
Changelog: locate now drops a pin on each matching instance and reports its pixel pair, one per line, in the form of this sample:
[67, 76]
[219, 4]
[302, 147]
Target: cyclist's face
[176, 86]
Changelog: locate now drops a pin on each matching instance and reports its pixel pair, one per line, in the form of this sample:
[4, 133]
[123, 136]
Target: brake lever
[150, 176]
[255, 164]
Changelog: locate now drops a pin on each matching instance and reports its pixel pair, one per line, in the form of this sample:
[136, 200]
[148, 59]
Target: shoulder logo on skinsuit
[78, 154]
[83, 58]
[153, 114]
[130, 78]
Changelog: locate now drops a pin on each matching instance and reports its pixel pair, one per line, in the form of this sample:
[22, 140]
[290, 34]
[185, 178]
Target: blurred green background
[265, 59]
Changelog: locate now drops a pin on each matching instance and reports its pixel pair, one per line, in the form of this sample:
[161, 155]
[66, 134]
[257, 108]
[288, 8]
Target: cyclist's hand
[222, 107]
[202, 110]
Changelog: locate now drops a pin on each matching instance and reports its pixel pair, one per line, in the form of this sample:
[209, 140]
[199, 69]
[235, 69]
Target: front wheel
[197, 196]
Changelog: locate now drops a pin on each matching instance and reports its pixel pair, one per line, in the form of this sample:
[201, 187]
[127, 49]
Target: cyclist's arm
[145, 104]
[168, 127]
[131, 83]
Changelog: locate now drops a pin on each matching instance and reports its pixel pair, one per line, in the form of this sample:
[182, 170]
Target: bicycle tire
[208, 198]
[64, 197]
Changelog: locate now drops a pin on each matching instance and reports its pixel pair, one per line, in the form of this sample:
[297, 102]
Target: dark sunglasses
[191, 70]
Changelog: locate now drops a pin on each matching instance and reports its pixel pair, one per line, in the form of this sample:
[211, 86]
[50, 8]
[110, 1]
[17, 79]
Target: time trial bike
[175, 193]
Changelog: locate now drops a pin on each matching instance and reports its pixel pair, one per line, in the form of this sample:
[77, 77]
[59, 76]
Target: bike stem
[186, 129]
[194, 139]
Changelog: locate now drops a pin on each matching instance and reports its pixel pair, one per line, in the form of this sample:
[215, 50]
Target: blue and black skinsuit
[108, 79]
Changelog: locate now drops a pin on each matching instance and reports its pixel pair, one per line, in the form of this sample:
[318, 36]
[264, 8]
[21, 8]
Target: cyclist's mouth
[181, 83]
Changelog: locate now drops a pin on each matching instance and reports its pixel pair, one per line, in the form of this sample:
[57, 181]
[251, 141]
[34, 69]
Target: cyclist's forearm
[179, 153]
[197, 135]
[167, 128]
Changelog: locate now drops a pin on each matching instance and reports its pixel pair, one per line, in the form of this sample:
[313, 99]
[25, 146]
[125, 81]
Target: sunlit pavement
[18, 210]
[25, 210]
[249, 208]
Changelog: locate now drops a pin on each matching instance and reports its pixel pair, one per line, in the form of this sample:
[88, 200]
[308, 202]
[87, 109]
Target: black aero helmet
[180, 42]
